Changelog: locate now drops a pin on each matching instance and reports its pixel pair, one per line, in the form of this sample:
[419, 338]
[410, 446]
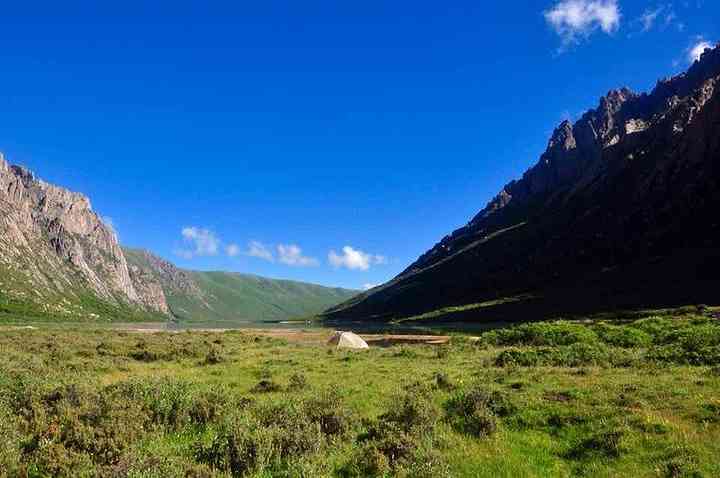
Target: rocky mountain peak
[582, 156]
[70, 246]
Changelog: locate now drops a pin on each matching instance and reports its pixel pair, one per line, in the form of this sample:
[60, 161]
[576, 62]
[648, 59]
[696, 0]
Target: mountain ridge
[611, 190]
[59, 260]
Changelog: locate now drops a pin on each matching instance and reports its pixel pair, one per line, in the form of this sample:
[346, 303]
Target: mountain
[58, 258]
[622, 210]
[232, 297]
[60, 261]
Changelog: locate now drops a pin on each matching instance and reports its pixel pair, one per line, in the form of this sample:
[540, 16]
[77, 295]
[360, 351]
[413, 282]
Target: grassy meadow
[634, 398]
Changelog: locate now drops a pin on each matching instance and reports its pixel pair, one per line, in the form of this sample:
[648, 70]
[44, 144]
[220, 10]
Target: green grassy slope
[240, 297]
[195, 296]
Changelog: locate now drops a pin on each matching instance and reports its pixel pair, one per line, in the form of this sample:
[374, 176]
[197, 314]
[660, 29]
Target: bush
[209, 406]
[9, 440]
[623, 336]
[71, 429]
[239, 447]
[293, 432]
[474, 411]
[681, 461]
[602, 444]
[442, 381]
[400, 440]
[298, 382]
[327, 411]
[266, 386]
[214, 356]
[678, 355]
[549, 334]
[267, 438]
[414, 412]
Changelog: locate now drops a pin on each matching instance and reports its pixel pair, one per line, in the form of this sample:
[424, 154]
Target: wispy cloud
[198, 242]
[354, 259]
[697, 49]
[260, 250]
[661, 16]
[369, 286]
[232, 250]
[291, 254]
[649, 17]
[575, 20]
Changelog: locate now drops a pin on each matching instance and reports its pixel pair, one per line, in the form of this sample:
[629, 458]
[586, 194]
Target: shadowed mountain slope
[622, 210]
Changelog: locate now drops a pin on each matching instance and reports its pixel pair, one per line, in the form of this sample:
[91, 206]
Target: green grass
[637, 397]
[232, 298]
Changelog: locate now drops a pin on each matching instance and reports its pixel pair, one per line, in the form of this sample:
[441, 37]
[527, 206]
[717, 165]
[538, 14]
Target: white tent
[347, 340]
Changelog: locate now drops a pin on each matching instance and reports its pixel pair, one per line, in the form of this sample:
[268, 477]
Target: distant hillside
[232, 297]
[622, 210]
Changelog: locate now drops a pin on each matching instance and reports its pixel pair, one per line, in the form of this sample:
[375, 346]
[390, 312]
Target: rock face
[624, 204]
[54, 251]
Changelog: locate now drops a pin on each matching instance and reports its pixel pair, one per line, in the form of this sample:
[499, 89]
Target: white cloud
[232, 250]
[291, 255]
[648, 18]
[202, 242]
[574, 20]
[260, 250]
[695, 51]
[369, 286]
[354, 259]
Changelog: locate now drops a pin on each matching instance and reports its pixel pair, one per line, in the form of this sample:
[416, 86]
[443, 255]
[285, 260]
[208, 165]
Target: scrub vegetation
[634, 397]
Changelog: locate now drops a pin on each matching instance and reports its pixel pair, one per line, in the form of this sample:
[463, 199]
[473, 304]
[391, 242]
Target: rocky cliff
[58, 257]
[621, 209]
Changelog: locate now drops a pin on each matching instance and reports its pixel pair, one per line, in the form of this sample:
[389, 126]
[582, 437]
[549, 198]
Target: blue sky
[331, 142]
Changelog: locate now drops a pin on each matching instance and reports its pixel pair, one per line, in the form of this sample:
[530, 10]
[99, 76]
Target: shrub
[239, 447]
[400, 439]
[678, 355]
[209, 406]
[604, 444]
[623, 336]
[549, 334]
[294, 434]
[9, 439]
[368, 461]
[710, 412]
[474, 411]
[71, 429]
[298, 382]
[681, 461]
[266, 386]
[327, 411]
[442, 381]
[214, 356]
[414, 412]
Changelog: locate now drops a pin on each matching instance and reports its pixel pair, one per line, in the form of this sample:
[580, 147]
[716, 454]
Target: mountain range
[621, 210]
[60, 261]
